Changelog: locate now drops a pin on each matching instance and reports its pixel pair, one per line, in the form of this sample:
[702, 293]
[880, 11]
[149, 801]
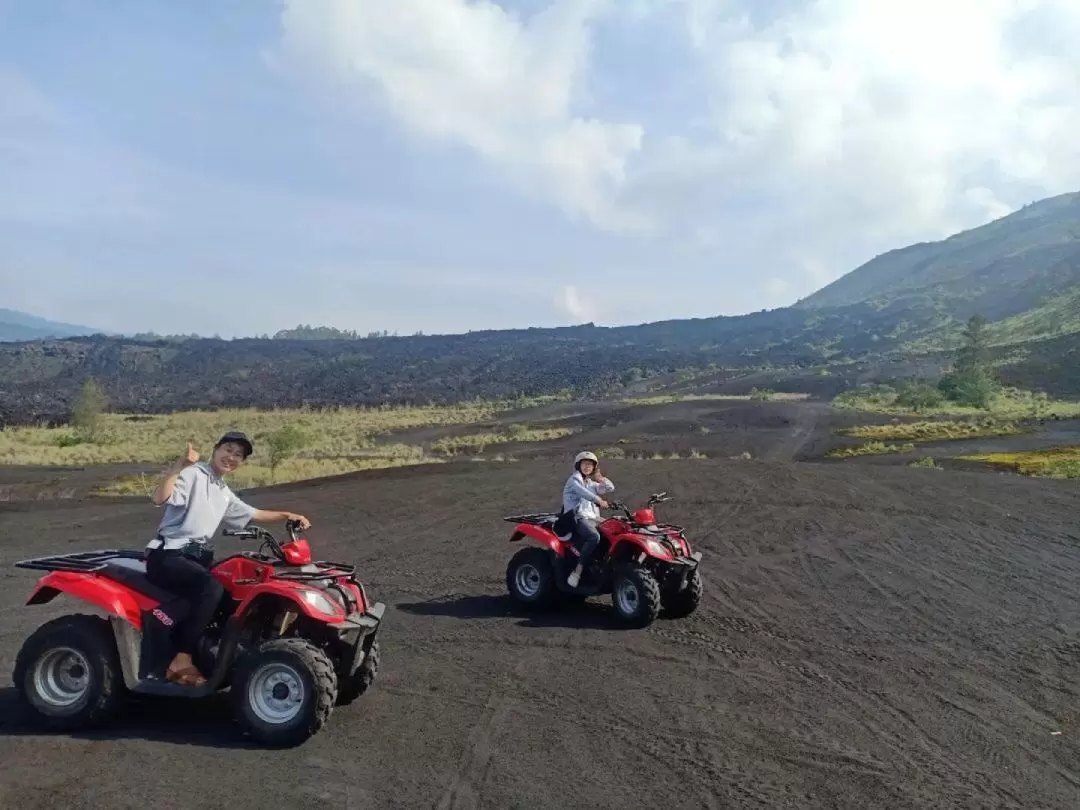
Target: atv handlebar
[257, 532]
[655, 498]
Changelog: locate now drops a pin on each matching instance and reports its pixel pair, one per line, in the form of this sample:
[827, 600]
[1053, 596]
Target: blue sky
[238, 168]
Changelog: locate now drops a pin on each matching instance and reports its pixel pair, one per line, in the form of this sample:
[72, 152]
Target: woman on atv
[581, 497]
[197, 500]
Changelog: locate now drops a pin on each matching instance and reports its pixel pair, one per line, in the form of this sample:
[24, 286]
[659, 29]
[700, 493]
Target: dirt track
[870, 637]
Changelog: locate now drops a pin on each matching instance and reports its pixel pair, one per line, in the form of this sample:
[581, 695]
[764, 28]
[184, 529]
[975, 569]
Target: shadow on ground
[205, 722]
[584, 616]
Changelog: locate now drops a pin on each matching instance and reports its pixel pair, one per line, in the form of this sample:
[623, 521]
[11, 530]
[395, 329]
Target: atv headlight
[319, 601]
[658, 548]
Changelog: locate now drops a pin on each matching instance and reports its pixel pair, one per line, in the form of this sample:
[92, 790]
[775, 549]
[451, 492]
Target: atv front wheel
[68, 673]
[350, 689]
[680, 604]
[530, 578]
[283, 692]
[636, 596]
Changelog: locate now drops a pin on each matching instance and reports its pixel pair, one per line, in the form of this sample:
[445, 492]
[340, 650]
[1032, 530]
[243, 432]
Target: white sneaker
[574, 578]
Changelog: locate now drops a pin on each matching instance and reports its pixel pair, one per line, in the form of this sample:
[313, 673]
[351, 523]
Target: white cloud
[570, 301]
[852, 126]
[900, 108]
[471, 73]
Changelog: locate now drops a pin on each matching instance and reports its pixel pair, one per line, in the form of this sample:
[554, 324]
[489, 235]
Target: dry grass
[668, 399]
[477, 442]
[869, 449]
[131, 439]
[1009, 403]
[336, 441]
[1052, 462]
[931, 431]
[251, 475]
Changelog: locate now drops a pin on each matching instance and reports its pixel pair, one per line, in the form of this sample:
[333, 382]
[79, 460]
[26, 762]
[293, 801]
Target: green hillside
[1021, 262]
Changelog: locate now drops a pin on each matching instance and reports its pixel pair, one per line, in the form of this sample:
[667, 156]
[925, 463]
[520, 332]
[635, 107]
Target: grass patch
[1009, 403]
[668, 399]
[869, 449]
[336, 440]
[927, 462]
[330, 433]
[251, 475]
[930, 431]
[477, 442]
[1051, 462]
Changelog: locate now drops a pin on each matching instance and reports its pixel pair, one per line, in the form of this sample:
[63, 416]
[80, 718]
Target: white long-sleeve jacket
[580, 495]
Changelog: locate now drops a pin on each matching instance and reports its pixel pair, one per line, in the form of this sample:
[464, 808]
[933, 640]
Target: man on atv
[581, 497]
[197, 500]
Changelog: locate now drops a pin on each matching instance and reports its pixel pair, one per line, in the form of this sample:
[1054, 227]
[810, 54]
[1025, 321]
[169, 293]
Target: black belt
[202, 553]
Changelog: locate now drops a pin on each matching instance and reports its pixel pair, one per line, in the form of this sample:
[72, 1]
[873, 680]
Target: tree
[971, 357]
[283, 443]
[88, 409]
[918, 396]
[972, 384]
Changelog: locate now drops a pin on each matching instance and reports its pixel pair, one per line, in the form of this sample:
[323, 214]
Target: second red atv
[291, 639]
[645, 566]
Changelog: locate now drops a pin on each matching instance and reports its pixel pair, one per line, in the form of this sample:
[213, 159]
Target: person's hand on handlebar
[305, 524]
[603, 504]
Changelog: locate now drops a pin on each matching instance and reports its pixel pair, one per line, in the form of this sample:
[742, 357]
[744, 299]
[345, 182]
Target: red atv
[291, 639]
[644, 565]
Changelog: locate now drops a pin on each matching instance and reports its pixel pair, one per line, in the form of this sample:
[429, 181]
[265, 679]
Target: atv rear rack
[536, 519]
[83, 562]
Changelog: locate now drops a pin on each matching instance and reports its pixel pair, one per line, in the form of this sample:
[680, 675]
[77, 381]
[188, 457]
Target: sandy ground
[870, 637]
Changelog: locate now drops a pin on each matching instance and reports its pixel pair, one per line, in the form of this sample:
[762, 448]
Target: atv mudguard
[544, 537]
[112, 597]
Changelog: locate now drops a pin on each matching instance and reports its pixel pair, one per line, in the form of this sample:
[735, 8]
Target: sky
[447, 165]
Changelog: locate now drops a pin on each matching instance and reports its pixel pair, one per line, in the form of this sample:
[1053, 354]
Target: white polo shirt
[200, 501]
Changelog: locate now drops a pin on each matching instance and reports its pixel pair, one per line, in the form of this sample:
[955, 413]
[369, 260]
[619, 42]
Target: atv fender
[112, 597]
[543, 536]
[632, 545]
[276, 592]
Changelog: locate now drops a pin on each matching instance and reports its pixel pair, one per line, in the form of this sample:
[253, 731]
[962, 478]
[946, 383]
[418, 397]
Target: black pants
[588, 538]
[190, 580]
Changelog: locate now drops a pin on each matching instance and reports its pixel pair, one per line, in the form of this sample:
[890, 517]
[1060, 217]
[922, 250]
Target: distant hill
[898, 312]
[1020, 262]
[15, 325]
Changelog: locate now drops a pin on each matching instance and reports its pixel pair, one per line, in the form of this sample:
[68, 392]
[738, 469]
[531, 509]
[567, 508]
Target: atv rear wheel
[283, 692]
[680, 604]
[635, 594]
[530, 577]
[350, 689]
[68, 673]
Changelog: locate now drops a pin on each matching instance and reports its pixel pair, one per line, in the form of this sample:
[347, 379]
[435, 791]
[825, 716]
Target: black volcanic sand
[870, 637]
[713, 428]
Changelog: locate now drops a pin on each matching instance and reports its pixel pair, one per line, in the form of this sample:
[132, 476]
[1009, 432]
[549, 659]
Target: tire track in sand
[466, 788]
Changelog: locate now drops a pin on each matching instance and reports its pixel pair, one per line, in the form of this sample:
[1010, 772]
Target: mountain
[894, 315]
[1023, 261]
[15, 325]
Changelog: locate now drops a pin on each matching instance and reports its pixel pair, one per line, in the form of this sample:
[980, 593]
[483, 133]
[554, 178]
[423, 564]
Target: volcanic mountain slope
[17, 326]
[1020, 272]
[870, 637]
[1024, 261]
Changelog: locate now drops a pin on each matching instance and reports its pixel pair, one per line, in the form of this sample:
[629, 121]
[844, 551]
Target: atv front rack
[83, 562]
[332, 570]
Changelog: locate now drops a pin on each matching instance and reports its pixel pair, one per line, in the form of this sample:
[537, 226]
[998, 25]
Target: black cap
[239, 438]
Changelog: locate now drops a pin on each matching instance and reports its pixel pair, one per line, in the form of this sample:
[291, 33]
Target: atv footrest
[163, 688]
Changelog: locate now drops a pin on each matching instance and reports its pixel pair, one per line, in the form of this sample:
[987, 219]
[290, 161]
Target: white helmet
[585, 455]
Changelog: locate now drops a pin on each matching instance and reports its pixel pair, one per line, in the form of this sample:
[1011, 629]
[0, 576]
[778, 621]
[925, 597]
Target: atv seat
[132, 573]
